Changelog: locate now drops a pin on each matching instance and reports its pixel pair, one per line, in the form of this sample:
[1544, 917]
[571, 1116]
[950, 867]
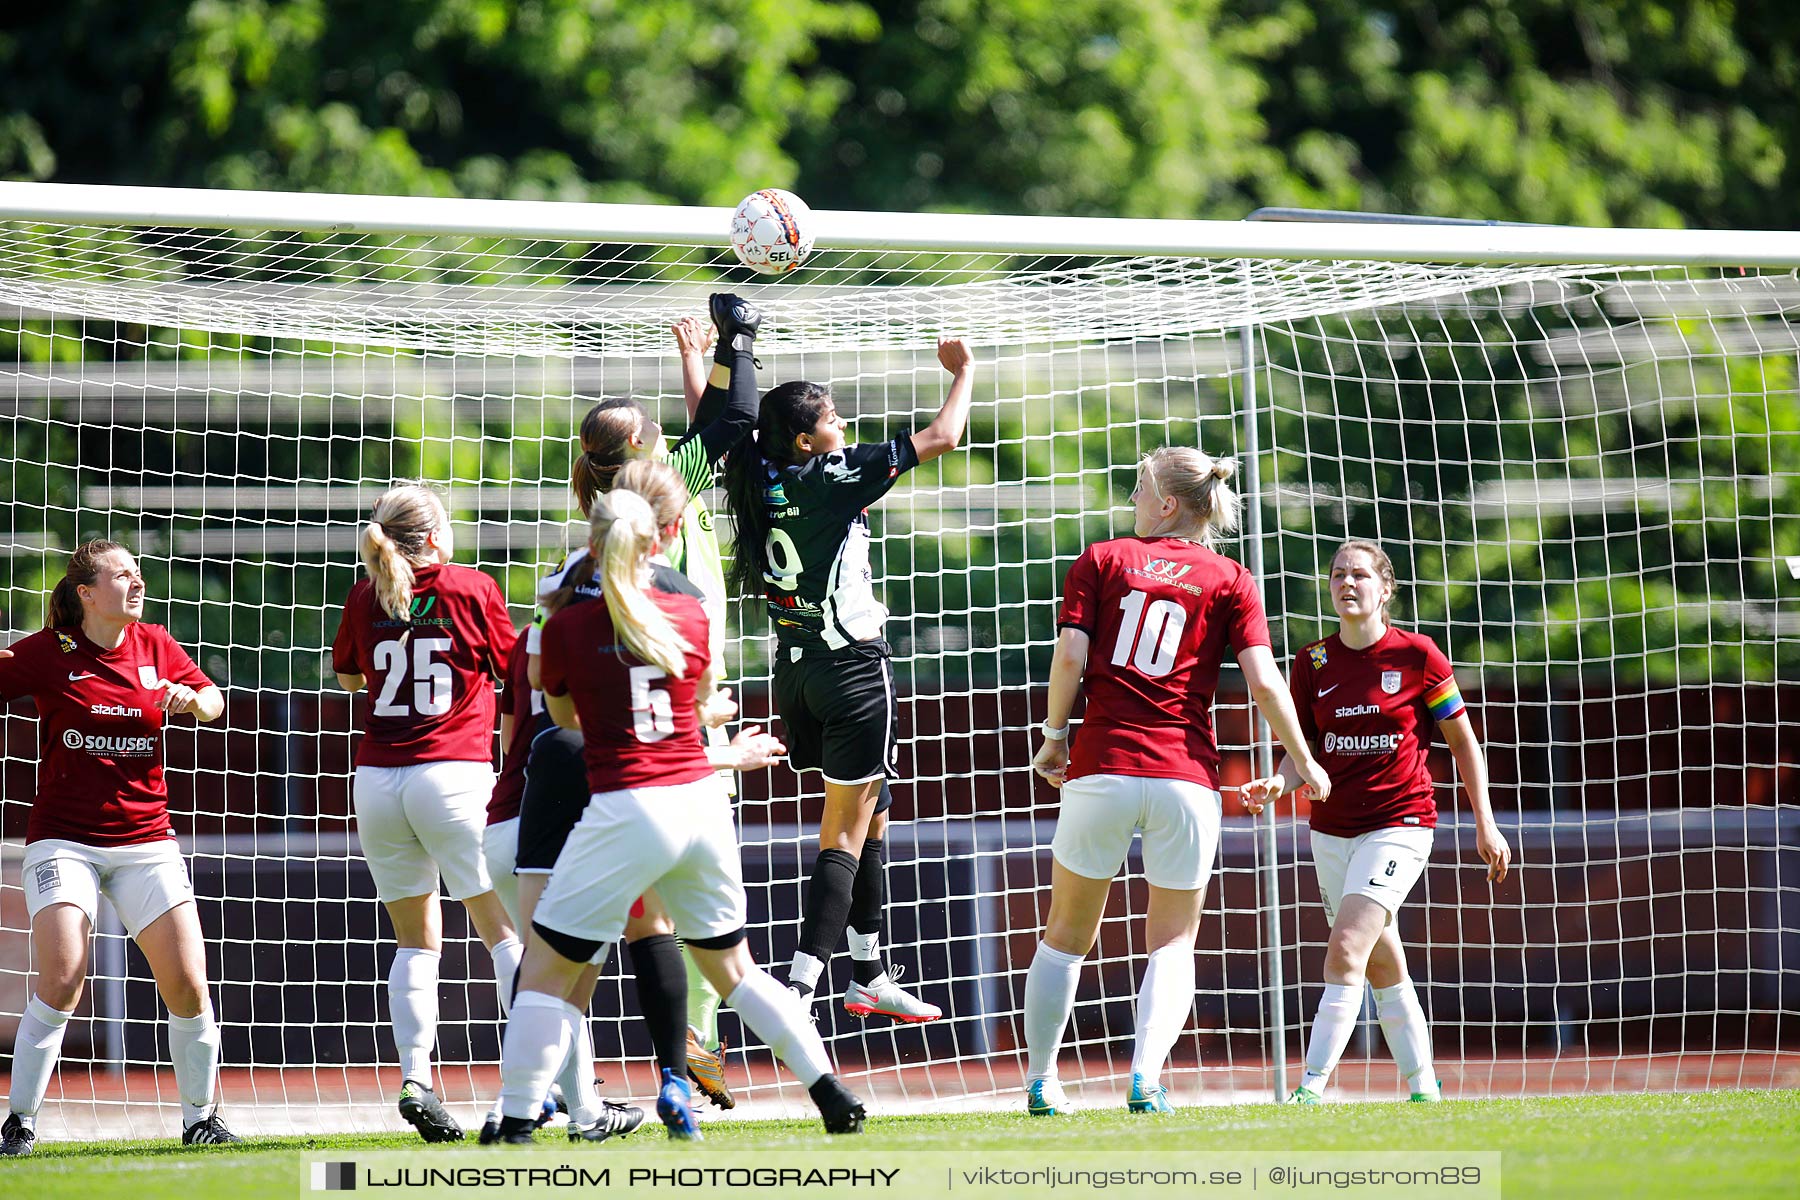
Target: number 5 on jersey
[1149, 637]
[431, 680]
[652, 712]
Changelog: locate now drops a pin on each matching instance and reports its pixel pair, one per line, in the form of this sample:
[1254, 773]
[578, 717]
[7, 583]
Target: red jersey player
[104, 683]
[631, 668]
[428, 637]
[1145, 622]
[1367, 697]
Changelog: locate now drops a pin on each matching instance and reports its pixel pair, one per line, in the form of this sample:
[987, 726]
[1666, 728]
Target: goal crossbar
[947, 232]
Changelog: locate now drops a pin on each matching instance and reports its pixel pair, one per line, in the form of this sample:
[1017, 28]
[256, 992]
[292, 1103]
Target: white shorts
[1382, 865]
[143, 881]
[679, 840]
[416, 821]
[1179, 821]
[500, 850]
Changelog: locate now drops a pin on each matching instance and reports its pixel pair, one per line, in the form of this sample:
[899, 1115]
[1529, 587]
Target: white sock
[413, 1007]
[577, 1074]
[779, 1018]
[1049, 999]
[536, 1043]
[864, 947]
[35, 1050]
[1408, 1036]
[1335, 1021]
[194, 1045]
[507, 956]
[804, 972]
[1165, 999]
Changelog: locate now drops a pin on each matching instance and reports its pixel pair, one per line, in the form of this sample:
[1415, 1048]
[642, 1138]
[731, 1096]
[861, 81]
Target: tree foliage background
[1595, 112]
[1640, 112]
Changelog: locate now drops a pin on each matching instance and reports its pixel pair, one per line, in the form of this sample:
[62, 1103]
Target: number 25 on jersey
[411, 660]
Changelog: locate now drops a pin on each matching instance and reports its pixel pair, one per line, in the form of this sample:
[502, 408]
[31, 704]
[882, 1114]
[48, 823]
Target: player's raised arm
[945, 432]
[693, 338]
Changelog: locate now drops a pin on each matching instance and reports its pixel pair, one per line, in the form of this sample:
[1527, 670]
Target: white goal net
[1588, 477]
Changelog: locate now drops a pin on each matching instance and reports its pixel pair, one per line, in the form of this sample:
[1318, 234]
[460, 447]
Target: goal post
[1581, 447]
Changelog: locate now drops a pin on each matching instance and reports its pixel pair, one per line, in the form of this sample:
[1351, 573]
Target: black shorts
[556, 794]
[838, 713]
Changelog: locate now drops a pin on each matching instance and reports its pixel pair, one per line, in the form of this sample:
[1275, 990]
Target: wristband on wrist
[1057, 733]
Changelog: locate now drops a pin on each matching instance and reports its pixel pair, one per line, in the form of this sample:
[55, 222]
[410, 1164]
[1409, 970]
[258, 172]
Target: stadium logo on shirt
[66, 643]
[114, 710]
[1317, 655]
[1390, 682]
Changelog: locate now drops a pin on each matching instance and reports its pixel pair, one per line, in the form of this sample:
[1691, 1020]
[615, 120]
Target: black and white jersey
[819, 588]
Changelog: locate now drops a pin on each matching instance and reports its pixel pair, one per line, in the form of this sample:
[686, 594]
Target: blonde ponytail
[1201, 487]
[396, 541]
[621, 537]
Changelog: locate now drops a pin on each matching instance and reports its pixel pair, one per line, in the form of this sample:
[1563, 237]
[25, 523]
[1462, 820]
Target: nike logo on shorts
[74, 678]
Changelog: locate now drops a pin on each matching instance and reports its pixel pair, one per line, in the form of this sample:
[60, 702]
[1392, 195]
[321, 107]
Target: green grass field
[1730, 1144]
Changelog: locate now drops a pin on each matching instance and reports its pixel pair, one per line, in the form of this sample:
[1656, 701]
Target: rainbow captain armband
[1444, 700]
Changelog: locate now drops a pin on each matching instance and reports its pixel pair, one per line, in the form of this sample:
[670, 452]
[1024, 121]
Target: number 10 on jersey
[1149, 633]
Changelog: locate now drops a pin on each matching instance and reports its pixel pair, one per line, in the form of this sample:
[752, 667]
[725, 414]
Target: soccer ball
[771, 231]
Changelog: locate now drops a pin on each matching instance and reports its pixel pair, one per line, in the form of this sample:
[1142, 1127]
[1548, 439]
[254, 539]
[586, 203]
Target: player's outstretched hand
[1260, 792]
[1052, 761]
[692, 335]
[717, 708]
[755, 749]
[956, 356]
[177, 698]
[1490, 843]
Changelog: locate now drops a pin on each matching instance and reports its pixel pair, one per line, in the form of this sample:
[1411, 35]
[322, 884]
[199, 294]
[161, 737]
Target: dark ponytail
[788, 411]
[574, 579]
[606, 434]
[82, 571]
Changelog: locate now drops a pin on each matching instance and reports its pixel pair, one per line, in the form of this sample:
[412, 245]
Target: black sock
[868, 907]
[662, 997]
[827, 906]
